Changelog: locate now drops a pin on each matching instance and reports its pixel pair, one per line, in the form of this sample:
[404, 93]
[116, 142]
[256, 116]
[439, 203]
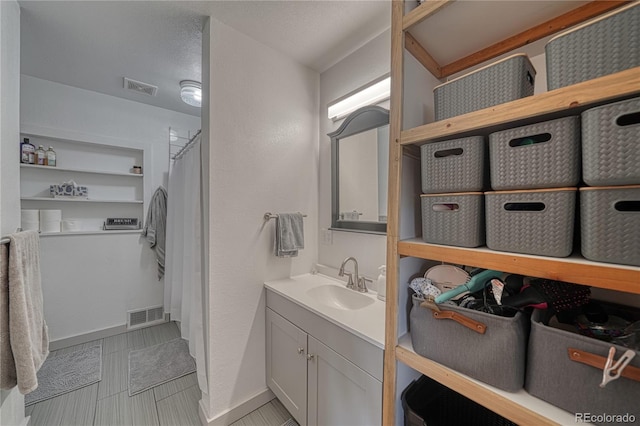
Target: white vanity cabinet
[321, 373]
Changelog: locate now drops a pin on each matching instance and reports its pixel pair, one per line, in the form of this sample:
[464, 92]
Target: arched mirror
[359, 171]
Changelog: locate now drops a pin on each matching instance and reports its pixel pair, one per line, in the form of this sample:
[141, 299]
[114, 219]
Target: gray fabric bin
[604, 46]
[541, 155]
[453, 219]
[502, 81]
[540, 221]
[457, 165]
[496, 357]
[611, 143]
[610, 224]
[553, 377]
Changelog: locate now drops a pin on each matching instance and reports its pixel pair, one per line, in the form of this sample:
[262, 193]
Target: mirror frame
[361, 120]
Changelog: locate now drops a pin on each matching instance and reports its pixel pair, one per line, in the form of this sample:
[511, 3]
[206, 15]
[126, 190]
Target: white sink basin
[339, 297]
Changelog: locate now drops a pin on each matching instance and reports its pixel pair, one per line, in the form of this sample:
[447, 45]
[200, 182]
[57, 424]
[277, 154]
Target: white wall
[11, 401]
[262, 126]
[361, 67]
[89, 282]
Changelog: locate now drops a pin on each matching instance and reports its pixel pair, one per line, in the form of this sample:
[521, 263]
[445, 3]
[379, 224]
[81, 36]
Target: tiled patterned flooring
[108, 403]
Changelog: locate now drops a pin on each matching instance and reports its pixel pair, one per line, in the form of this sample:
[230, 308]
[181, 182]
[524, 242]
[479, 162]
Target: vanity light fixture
[370, 95]
[191, 92]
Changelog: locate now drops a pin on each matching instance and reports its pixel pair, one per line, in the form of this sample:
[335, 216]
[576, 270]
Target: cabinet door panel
[287, 365]
[340, 393]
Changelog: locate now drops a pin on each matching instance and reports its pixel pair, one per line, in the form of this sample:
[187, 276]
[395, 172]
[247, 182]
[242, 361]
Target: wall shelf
[80, 200]
[97, 232]
[66, 169]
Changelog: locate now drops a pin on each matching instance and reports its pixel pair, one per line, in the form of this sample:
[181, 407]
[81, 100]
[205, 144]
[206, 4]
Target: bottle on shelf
[382, 283]
[50, 157]
[27, 152]
[41, 158]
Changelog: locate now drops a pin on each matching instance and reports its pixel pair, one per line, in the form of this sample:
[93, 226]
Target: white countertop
[366, 323]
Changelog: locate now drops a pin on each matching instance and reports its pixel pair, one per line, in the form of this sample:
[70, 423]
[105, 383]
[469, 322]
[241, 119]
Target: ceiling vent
[140, 87]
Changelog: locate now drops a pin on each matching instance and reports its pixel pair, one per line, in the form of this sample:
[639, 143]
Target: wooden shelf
[80, 200]
[566, 101]
[573, 269]
[519, 407]
[65, 169]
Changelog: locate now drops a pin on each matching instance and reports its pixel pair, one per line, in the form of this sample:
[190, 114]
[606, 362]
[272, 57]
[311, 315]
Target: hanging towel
[289, 234]
[24, 338]
[155, 228]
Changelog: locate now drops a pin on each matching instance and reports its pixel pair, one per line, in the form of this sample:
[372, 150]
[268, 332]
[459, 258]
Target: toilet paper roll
[51, 216]
[30, 215]
[30, 219]
[30, 225]
[50, 226]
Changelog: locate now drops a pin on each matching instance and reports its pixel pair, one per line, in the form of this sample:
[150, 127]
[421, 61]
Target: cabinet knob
[310, 357]
[300, 350]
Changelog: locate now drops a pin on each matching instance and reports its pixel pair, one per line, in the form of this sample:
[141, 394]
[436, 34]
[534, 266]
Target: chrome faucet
[359, 284]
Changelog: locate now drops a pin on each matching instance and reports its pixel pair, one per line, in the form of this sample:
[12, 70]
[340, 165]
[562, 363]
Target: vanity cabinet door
[287, 365]
[340, 393]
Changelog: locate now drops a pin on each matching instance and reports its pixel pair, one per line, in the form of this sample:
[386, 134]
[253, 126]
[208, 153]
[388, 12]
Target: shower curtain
[183, 286]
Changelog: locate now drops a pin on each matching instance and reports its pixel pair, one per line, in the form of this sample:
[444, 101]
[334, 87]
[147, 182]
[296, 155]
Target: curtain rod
[4, 241]
[187, 145]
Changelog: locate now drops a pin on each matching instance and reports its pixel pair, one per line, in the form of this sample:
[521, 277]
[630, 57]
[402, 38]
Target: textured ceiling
[94, 44]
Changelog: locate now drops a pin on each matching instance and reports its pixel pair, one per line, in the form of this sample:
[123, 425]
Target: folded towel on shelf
[155, 228]
[24, 338]
[289, 234]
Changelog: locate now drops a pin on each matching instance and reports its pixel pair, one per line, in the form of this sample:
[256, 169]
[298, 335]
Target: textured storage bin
[453, 166]
[554, 377]
[453, 219]
[427, 402]
[604, 46]
[541, 155]
[610, 224]
[503, 81]
[68, 190]
[611, 144]
[532, 222]
[496, 357]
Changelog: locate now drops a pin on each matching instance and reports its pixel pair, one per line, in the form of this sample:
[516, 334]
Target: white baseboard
[233, 414]
[88, 337]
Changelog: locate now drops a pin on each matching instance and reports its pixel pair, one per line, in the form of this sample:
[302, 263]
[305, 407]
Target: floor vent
[145, 317]
[140, 87]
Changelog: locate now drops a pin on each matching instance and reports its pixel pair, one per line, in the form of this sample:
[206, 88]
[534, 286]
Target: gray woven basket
[573, 386]
[547, 232]
[453, 166]
[506, 80]
[461, 226]
[611, 144]
[527, 165]
[496, 357]
[605, 46]
[610, 224]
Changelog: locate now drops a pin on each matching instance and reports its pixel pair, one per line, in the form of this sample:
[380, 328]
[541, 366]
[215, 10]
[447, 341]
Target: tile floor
[108, 403]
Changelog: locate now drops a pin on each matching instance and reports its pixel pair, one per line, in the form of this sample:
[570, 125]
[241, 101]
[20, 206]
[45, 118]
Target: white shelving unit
[106, 171]
[412, 31]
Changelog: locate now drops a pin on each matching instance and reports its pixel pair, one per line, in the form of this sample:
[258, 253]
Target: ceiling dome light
[191, 92]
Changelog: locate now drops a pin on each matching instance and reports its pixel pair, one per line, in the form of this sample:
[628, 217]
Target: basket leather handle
[471, 324]
[597, 361]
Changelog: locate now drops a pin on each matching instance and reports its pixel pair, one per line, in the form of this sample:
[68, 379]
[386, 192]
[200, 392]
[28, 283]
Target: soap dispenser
[382, 283]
